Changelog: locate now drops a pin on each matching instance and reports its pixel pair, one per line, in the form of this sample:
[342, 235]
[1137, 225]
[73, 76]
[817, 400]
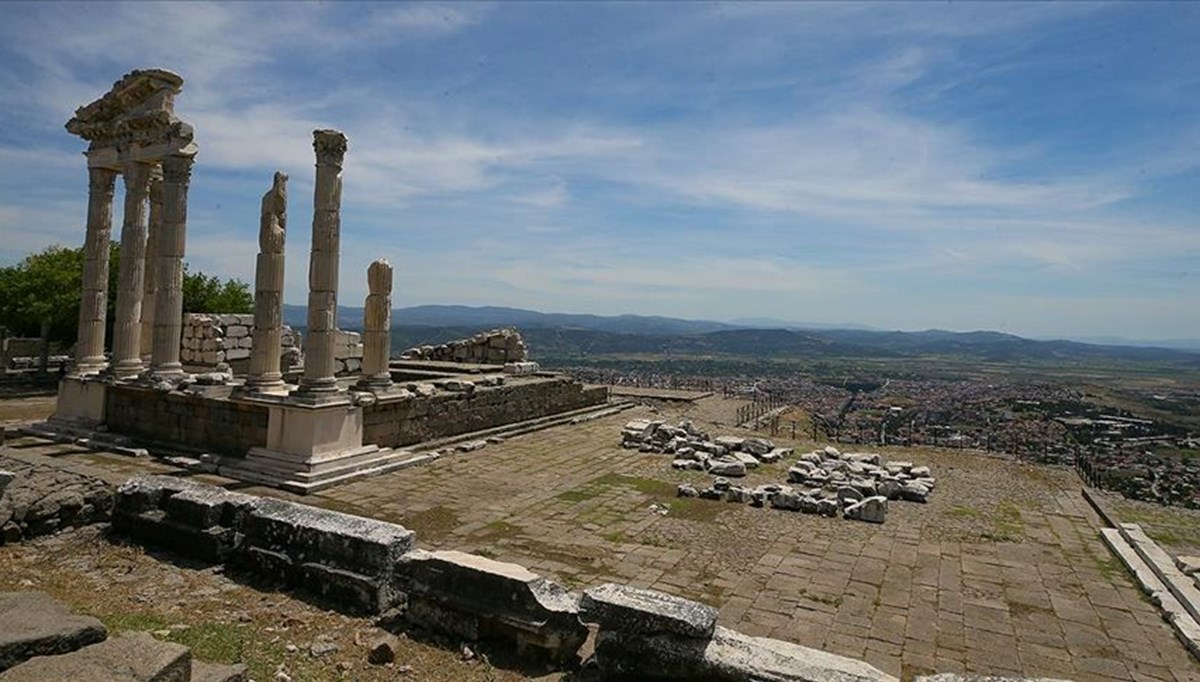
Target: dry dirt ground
[1001, 572]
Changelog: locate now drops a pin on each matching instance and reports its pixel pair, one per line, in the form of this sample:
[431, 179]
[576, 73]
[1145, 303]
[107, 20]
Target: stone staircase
[1175, 593]
[42, 641]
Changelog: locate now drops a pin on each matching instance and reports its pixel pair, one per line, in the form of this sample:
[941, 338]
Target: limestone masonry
[495, 347]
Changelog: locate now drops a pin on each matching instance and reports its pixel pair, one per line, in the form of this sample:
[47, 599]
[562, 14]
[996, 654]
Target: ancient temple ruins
[340, 409]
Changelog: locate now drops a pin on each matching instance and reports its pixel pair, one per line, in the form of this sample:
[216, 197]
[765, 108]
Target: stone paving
[1003, 572]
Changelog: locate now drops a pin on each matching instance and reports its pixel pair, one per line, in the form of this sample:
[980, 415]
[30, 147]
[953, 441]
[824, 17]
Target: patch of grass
[1008, 522]
[578, 494]
[434, 523]
[646, 486]
[615, 537]
[695, 509]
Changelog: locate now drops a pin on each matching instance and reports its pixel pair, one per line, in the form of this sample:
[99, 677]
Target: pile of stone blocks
[41, 640]
[496, 347]
[209, 340]
[198, 521]
[855, 485]
[729, 456]
[39, 499]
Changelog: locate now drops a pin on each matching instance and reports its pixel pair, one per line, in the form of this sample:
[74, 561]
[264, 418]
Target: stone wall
[370, 566]
[347, 353]
[38, 499]
[212, 339]
[203, 423]
[495, 347]
[420, 418]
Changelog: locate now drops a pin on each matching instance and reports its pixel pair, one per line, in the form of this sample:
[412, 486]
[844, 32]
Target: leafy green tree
[40, 296]
[208, 294]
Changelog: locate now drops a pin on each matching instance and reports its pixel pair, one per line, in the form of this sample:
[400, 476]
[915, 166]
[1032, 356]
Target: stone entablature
[134, 121]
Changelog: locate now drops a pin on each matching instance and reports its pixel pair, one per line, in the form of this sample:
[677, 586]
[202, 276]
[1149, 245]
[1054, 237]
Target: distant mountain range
[570, 335]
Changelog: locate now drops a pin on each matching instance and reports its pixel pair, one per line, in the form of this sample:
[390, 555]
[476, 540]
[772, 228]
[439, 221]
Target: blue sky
[1031, 168]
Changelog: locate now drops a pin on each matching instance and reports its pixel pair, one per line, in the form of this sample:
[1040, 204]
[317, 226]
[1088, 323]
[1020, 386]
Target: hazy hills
[563, 335]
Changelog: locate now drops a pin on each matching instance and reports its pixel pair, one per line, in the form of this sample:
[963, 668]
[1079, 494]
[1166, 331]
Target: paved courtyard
[1001, 572]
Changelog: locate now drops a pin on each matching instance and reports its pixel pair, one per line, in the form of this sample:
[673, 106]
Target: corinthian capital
[177, 170]
[330, 146]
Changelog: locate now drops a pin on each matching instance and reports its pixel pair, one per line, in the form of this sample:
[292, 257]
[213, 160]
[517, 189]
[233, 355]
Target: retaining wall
[199, 422]
[421, 418]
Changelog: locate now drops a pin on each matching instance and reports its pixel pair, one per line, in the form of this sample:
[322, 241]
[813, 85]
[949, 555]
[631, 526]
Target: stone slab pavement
[1002, 572]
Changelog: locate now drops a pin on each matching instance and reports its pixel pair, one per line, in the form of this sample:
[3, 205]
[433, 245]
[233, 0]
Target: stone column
[149, 289]
[168, 302]
[377, 328]
[93, 310]
[319, 370]
[127, 360]
[268, 289]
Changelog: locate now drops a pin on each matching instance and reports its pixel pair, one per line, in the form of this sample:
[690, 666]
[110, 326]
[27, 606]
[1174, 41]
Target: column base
[379, 384]
[80, 401]
[312, 447]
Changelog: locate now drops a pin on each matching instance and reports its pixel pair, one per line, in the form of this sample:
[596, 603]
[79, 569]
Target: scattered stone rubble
[694, 450]
[37, 499]
[40, 641]
[497, 347]
[828, 482]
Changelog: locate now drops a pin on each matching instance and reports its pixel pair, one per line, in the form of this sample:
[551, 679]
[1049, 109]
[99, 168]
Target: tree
[40, 296]
[208, 294]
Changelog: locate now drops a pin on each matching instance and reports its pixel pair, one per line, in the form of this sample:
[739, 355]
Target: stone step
[1180, 585]
[216, 672]
[129, 657]
[1187, 630]
[34, 624]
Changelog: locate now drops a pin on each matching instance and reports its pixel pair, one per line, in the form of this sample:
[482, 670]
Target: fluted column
[93, 309]
[149, 288]
[127, 360]
[268, 289]
[319, 370]
[168, 302]
[377, 328]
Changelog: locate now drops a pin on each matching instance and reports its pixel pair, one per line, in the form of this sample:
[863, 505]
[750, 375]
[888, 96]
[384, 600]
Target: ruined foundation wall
[417, 419]
[212, 339]
[494, 347]
[201, 423]
[369, 566]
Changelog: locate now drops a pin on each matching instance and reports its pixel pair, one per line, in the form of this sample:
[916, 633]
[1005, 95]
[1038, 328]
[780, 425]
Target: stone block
[347, 558]
[34, 624]
[129, 657]
[236, 331]
[638, 611]
[491, 598]
[217, 672]
[237, 354]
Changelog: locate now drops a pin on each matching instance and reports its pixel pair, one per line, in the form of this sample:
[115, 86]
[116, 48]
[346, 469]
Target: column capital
[330, 146]
[177, 169]
[102, 180]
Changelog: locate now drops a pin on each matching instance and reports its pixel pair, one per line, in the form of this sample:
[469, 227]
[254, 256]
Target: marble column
[264, 372]
[318, 380]
[127, 360]
[149, 289]
[93, 310]
[377, 328]
[168, 302]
